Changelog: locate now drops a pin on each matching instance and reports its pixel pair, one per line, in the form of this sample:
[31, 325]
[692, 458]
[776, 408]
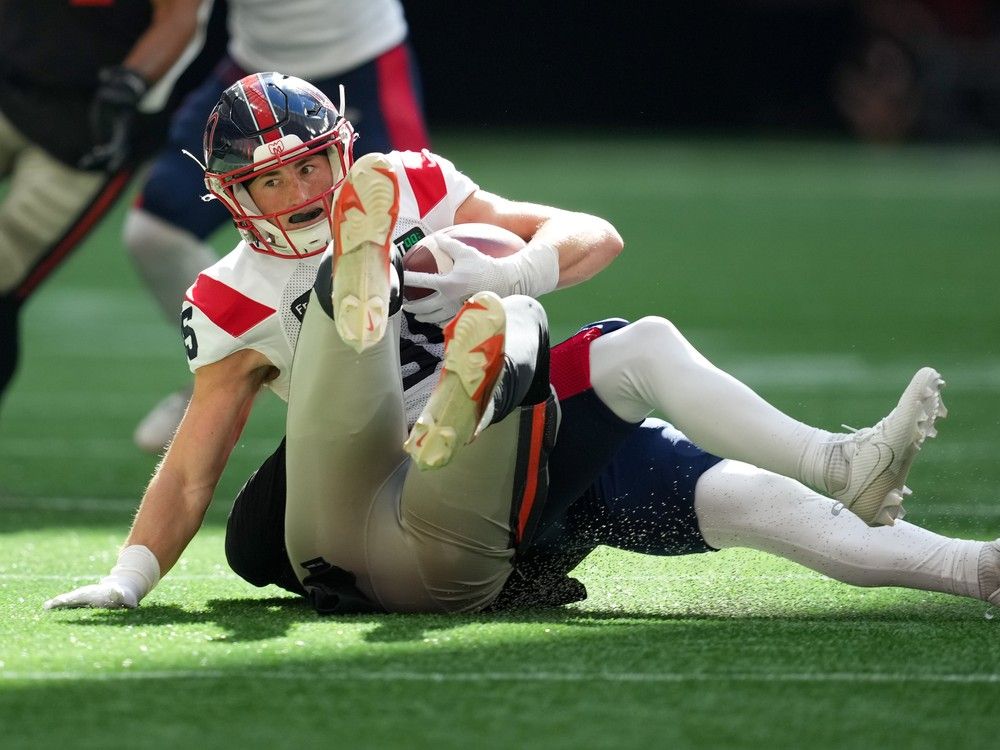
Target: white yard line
[497, 677]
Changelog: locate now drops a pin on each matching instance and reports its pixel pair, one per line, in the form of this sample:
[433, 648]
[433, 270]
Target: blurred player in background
[361, 44]
[616, 478]
[81, 84]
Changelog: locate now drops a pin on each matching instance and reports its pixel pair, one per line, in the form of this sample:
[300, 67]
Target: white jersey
[312, 38]
[249, 300]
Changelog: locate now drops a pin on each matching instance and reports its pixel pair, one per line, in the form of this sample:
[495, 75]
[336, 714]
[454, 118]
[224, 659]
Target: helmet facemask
[264, 122]
[263, 231]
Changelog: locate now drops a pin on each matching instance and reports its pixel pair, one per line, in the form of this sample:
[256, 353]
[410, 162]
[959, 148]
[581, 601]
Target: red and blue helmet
[265, 121]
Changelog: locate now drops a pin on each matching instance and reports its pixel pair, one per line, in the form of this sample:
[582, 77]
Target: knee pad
[527, 353]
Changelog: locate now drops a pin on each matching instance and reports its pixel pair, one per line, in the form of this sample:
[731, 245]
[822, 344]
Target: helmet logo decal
[269, 155]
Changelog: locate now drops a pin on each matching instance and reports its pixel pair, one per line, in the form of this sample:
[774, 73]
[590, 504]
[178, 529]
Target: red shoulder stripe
[233, 312]
[426, 179]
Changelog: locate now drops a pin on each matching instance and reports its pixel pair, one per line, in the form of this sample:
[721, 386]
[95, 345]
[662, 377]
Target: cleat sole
[472, 364]
[364, 216]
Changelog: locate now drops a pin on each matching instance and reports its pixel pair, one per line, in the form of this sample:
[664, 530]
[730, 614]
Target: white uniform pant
[416, 541]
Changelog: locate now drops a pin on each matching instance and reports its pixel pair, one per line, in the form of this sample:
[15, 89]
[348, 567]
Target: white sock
[168, 259]
[742, 506]
[649, 365]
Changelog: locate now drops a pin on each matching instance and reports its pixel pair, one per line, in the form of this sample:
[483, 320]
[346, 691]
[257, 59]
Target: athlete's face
[292, 185]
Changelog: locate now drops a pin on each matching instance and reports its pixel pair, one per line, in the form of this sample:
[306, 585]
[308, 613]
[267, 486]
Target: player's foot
[157, 428]
[989, 573]
[363, 218]
[473, 361]
[878, 458]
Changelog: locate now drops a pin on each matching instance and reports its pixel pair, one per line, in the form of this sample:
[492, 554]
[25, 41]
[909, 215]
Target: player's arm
[180, 492]
[563, 248]
[181, 489]
[121, 87]
[173, 26]
[583, 244]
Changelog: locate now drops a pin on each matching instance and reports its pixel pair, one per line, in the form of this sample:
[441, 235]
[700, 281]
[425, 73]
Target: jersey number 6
[190, 340]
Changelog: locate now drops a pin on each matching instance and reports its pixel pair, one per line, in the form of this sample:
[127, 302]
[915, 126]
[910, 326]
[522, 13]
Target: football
[427, 257]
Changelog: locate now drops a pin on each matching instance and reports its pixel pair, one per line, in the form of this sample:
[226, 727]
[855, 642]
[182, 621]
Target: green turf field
[823, 275]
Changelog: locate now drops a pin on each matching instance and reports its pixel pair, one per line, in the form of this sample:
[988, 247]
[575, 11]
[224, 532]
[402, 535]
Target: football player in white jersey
[242, 319]
[278, 155]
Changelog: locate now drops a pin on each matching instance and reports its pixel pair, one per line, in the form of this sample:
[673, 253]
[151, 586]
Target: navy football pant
[627, 486]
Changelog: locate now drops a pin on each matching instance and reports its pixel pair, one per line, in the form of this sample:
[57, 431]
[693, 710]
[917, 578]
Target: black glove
[112, 113]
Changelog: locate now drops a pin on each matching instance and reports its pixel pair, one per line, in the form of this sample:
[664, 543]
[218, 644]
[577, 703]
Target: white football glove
[533, 271]
[103, 595]
[128, 582]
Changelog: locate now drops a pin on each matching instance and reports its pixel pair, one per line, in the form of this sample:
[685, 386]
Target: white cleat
[364, 215]
[154, 433]
[989, 573]
[473, 361]
[880, 457]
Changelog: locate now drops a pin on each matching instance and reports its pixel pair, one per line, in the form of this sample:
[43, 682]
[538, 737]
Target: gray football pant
[416, 541]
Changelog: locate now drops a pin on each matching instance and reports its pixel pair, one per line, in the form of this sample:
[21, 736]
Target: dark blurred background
[883, 70]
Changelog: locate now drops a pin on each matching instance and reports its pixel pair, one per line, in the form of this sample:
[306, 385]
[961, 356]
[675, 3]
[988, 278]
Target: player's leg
[460, 524]
[383, 99]
[495, 350]
[739, 505]
[663, 495]
[11, 143]
[47, 211]
[9, 340]
[255, 532]
[649, 365]
[643, 500]
[345, 423]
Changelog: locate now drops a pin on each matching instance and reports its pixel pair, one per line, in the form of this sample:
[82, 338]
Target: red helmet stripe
[260, 107]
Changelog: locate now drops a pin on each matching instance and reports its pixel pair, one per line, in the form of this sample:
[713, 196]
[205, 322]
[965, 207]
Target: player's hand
[112, 113]
[135, 574]
[472, 272]
[111, 595]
